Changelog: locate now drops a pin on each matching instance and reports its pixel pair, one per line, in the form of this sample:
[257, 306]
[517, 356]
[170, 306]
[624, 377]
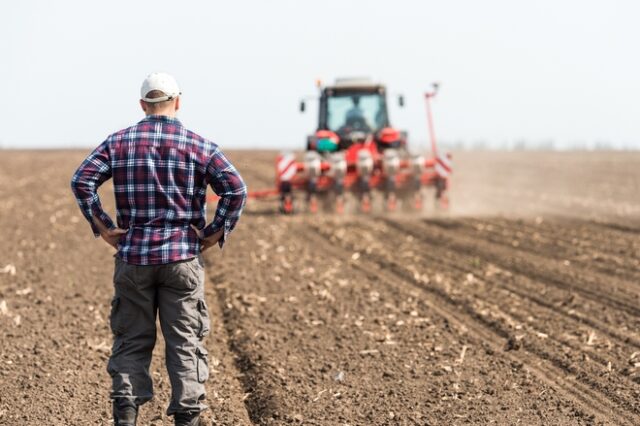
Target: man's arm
[93, 171]
[229, 186]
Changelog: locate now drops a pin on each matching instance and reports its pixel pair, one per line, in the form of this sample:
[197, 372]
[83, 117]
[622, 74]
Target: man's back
[160, 174]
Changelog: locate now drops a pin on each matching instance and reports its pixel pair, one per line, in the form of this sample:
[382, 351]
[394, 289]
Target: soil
[519, 306]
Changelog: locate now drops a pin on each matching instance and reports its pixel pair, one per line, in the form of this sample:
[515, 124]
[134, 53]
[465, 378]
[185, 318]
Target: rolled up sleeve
[93, 171]
[227, 183]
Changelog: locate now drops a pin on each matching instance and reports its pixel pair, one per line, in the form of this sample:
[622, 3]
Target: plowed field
[520, 306]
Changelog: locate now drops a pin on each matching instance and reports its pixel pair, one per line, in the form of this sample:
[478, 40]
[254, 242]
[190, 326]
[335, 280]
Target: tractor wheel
[442, 198]
[286, 204]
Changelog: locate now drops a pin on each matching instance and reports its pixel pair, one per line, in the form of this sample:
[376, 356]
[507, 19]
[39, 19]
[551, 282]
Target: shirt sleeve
[93, 171]
[229, 186]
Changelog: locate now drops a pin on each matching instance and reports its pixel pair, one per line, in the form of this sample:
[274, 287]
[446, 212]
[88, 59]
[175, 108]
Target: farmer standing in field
[160, 174]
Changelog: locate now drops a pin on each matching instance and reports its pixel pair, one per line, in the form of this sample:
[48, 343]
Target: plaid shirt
[160, 174]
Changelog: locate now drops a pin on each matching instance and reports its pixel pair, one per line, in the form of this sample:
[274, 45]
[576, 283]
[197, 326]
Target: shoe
[124, 414]
[187, 419]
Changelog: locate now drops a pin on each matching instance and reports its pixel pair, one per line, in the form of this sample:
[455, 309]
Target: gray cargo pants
[176, 292]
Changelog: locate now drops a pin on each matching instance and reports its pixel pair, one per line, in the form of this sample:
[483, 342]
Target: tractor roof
[355, 83]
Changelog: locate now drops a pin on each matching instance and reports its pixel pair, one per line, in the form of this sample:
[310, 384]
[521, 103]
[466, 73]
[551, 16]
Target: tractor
[355, 152]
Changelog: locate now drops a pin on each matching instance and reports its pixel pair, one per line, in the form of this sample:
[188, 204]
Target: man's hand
[111, 236]
[209, 241]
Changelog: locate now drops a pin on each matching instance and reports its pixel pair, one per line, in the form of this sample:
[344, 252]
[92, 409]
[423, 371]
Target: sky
[566, 71]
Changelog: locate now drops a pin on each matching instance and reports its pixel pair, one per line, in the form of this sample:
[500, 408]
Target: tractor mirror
[401, 100]
[303, 106]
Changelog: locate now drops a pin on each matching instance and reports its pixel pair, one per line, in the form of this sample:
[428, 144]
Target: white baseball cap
[162, 82]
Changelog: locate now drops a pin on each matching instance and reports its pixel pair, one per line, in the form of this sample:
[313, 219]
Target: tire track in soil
[600, 290]
[541, 363]
[525, 288]
[545, 241]
[626, 229]
[53, 361]
[225, 394]
[60, 348]
[624, 341]
[616, 356]
[536, 267]
[360, 398]
[257, 171]
[398, 283]
[605, 409]
[457, 260]
[260, 403]
[453, 260]
[629, 340]
[588, 250]
[568, 230]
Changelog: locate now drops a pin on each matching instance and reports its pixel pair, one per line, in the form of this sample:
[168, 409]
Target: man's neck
[170, 114]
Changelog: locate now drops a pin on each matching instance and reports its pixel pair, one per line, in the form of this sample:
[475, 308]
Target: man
[160, 174]
[354, 118]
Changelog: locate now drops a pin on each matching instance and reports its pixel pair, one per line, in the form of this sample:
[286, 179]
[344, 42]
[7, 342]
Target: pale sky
[567, 70]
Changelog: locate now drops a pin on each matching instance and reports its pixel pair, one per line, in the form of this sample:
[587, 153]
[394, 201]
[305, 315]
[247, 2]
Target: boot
[187, 419]
[124, 414]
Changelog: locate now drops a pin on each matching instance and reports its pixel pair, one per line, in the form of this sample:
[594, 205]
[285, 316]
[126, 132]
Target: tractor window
[355, 112]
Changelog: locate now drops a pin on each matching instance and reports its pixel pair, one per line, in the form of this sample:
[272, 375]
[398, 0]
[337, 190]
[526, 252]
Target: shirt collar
[161, 118]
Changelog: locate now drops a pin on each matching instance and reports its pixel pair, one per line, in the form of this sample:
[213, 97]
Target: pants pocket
[183, 276]
[204, 323]
[202, 365]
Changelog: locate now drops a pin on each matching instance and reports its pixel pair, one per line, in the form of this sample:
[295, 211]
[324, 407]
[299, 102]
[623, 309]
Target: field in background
[586, 184]
[521, 306]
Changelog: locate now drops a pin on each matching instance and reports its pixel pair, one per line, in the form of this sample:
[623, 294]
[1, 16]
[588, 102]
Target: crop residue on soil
[522, 307]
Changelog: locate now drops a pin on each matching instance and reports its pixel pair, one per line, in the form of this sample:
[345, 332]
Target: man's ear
[178, 103]
[143, 105]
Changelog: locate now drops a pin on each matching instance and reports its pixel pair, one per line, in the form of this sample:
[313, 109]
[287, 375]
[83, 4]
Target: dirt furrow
[562, 241]
[582, 314]
[627, 229]
[484, 334]
[554, 370]
[225, 387]
[360, 320]
[559, 301]
[618, 355]
[55, 334]
[329, 304]
[615, 292]
[565, 330]
[462, 265]
[259, 401]
[606, 239]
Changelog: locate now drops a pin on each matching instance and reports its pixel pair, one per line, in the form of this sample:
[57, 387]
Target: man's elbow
[74, 183]
[77, 183]
[80, 186]
[243, 193]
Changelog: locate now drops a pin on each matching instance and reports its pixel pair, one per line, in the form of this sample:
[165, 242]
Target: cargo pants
[175, 292]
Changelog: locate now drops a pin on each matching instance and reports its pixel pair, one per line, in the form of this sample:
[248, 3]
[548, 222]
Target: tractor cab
[353, 112]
